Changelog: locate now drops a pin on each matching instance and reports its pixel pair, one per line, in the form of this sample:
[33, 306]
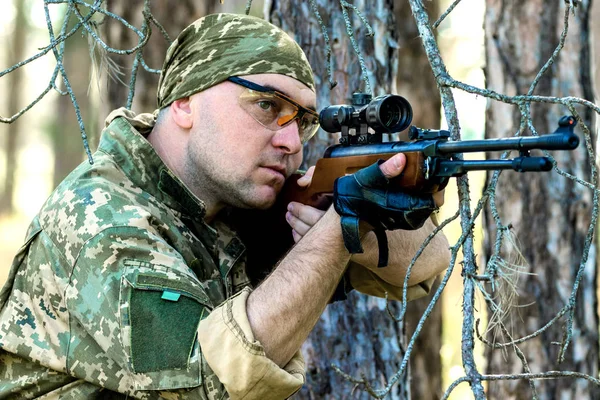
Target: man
[132, 282]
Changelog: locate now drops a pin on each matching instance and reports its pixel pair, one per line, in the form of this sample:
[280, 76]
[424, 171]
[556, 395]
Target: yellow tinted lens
[309, 125]
[265, 108]
[274, 111]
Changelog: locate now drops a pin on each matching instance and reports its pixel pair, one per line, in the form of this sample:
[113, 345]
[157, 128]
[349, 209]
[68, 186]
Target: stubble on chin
[259, 199]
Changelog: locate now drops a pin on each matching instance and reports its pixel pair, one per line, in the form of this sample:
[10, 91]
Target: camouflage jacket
[116, 290]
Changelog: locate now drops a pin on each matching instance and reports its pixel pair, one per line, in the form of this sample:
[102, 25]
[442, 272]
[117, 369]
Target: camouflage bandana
[222, 45]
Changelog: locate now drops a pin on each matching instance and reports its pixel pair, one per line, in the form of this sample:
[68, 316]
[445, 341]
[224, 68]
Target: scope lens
[389, 113]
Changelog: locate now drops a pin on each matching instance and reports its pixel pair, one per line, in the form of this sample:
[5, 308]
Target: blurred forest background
[42, 146]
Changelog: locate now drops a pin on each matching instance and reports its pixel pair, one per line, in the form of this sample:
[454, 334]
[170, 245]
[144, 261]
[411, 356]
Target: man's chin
[263, 200]
[266, 202]
[264, 206]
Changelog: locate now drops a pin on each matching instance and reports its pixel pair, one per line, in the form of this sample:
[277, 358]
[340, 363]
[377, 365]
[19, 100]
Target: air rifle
[431, 155]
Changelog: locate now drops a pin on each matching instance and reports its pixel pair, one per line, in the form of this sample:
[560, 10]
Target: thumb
[306, 179]
[394, 166]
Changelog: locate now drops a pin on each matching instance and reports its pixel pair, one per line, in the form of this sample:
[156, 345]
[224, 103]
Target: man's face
[231, 158]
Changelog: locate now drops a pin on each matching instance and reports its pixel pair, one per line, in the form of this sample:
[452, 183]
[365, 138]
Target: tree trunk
[358, 335]
[173, 18]
[549, 214]
[595, 16]
[14, 53]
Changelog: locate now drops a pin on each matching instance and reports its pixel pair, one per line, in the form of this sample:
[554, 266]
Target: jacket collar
[139, 161]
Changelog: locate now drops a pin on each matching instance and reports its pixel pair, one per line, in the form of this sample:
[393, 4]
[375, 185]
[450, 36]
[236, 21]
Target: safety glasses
[274, 110]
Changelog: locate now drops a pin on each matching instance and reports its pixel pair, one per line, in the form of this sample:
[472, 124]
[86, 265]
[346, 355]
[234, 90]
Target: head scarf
[218, 46]
[222, 45]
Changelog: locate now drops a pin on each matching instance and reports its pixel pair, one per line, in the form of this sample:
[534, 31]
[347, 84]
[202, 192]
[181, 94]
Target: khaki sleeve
[367, 282]
[239, 360]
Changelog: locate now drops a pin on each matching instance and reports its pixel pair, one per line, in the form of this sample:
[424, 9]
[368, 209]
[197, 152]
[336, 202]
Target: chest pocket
[160, 311]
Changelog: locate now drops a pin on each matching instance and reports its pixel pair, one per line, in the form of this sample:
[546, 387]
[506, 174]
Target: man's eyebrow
[311, 107]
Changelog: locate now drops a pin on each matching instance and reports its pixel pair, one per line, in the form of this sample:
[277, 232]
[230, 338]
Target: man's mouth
[280, 169]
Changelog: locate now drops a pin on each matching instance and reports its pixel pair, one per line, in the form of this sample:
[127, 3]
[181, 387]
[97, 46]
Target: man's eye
[309, 122]
[266, 105]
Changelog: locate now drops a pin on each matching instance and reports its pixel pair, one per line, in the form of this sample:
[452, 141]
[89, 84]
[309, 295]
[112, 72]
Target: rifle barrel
[554, 141]
[432, 147]
[520, 164]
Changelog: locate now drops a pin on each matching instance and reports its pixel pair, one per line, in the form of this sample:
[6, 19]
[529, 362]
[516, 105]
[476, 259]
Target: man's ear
[181, 112]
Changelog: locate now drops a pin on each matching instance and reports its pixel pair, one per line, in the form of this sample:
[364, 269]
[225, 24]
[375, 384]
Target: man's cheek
[296, 161]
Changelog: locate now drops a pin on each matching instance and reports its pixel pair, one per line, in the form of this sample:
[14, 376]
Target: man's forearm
[285, 307]
[403, 245]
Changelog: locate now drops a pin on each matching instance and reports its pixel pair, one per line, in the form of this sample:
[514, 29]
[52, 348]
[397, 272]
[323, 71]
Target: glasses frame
[259, 88]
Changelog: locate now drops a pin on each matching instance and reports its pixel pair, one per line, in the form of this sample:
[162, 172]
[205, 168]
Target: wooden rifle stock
[327, 170]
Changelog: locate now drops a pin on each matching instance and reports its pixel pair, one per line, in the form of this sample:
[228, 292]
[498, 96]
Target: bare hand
[301, 218]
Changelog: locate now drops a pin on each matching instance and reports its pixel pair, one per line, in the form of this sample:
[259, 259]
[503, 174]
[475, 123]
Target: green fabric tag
[171, 296]
[159, 283]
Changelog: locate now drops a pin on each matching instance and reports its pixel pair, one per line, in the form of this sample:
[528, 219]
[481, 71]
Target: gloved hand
[368, 195]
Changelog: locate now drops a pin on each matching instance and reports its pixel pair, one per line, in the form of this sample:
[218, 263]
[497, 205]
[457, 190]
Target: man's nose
[288, 138]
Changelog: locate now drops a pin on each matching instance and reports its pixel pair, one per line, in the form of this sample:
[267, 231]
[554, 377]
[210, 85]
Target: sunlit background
[461, 40]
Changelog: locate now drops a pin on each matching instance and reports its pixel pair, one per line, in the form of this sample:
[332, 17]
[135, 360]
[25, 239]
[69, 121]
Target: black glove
[369, 196]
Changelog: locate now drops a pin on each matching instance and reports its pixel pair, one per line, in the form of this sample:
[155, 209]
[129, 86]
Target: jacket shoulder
[94, 198]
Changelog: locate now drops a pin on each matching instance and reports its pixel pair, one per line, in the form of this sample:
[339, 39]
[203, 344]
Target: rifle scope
[384, 114]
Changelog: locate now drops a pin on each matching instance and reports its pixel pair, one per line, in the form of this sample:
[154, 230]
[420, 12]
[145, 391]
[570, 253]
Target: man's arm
[285, 307]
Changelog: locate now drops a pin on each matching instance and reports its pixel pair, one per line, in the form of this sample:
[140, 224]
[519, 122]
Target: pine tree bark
[15, 53]
[595, 28]
[358, 335]
[550, 215]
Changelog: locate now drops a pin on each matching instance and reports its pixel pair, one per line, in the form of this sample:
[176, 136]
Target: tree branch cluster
[88, 23]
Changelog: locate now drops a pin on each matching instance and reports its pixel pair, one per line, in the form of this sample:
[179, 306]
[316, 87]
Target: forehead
[289, 86]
